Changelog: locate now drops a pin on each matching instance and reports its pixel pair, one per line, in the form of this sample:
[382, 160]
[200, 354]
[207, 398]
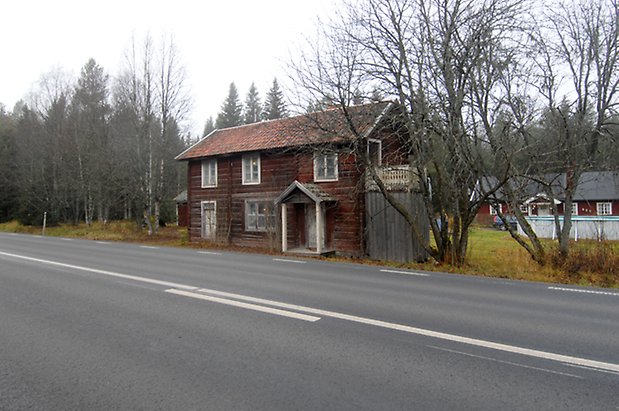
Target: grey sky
[219, 42]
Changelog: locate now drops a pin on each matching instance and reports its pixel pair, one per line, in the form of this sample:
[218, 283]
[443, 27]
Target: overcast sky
[219, 41]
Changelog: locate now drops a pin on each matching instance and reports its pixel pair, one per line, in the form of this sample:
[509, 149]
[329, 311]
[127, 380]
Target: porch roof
[315, 193]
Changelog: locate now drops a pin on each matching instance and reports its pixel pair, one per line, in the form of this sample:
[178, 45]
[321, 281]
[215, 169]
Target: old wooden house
[295, 184]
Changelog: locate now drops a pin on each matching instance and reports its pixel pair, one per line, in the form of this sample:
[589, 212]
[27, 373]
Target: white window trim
[574, 208]
[493, 209]
[524, 209]
[202, 204]
[206, 165]
[273, 216]
[243, 167]
[323, 156]
[602, 204]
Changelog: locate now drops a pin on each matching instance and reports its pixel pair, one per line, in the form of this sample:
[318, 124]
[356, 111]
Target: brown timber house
[295, 184]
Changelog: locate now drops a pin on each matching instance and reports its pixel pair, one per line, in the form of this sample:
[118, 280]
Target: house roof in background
[328, 126]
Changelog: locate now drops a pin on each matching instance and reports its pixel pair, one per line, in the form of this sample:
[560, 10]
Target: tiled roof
[327, 126]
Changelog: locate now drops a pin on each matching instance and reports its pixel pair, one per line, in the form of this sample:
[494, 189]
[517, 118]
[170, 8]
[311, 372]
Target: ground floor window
[605, 208]
[259, 215]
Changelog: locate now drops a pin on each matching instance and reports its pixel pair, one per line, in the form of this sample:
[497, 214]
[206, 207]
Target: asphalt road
[95, 325]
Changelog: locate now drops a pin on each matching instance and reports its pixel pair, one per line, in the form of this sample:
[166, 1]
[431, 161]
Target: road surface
[98, 325]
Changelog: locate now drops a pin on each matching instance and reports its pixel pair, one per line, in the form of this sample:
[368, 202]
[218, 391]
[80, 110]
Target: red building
[293, 184]
[597, 194]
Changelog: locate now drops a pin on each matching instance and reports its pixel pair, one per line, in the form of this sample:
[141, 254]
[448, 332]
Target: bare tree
[443, 61]
[152, 92]
[578, 70]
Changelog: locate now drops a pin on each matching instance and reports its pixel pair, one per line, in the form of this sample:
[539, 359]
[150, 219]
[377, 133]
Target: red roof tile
[327, 126]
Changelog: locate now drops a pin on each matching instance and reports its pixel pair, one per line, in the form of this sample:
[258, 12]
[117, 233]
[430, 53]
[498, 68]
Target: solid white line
[368, 321]
[104, 272]
[506, 362]
[254, 307]
[208, 252]
[428, 333]
[405, 272]
[284, 260]
[576, 290]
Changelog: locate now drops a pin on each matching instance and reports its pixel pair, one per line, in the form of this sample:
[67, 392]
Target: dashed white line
[577, 290]
[209, 252]
[600, 365]
[150, 247]
[285, 260]
[405, 272]
[66, 239]
[248, 306]
[102, 242]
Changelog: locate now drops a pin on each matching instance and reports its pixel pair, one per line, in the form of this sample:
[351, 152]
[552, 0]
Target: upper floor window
[209, 173]
[605, 208]
[251, 169]
[574, 208]
[325, 167]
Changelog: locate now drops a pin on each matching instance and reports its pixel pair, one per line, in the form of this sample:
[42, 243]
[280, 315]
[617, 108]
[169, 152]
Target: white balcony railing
[396, 178]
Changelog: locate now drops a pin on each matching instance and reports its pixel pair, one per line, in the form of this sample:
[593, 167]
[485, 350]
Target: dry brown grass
[491, 253]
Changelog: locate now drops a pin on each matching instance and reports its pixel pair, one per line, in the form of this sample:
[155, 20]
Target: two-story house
[292, 184]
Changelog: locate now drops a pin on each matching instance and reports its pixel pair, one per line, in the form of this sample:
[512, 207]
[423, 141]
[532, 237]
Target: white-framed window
[259, 215]
[493, 209]
[375, 151]
[325, 167]
[605, 208]
[209, 173]
[524, 209]
[251, 169]
[574, 208]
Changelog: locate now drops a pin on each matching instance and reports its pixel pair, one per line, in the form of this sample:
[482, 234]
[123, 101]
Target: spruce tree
[208, 127]
[274, 105]
[231, 113]
[253, 107]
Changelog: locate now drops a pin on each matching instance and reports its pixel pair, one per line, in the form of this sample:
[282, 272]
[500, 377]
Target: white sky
[219, 41]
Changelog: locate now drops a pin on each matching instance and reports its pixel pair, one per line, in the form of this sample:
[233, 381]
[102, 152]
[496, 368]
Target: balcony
[395, 178]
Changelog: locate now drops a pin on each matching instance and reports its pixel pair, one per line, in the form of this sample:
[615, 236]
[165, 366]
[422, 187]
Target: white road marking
[592, 369]
[404, 272]
[248, 306]
[332, 314]
[102, 242]
[208, 252]
[66, 239]
[577, 290]
[104, 272]
[285, 260]
[150, 247]
[507, 362]
[428, 333]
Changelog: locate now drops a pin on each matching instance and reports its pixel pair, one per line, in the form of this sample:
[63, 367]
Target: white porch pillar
[319, 230]
[284, 228]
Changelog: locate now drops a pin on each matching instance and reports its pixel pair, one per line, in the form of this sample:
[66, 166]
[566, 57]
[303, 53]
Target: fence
[388, 234]
[590, 227]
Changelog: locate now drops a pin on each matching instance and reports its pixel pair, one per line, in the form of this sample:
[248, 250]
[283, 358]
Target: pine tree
[208, 127]
[253, 107]
[274, 105]
[231, 113]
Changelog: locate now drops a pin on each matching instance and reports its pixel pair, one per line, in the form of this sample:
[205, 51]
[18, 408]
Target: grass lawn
[492, 253]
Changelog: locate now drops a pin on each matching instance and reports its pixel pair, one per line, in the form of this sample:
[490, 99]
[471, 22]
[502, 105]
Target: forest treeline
[100, 148]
